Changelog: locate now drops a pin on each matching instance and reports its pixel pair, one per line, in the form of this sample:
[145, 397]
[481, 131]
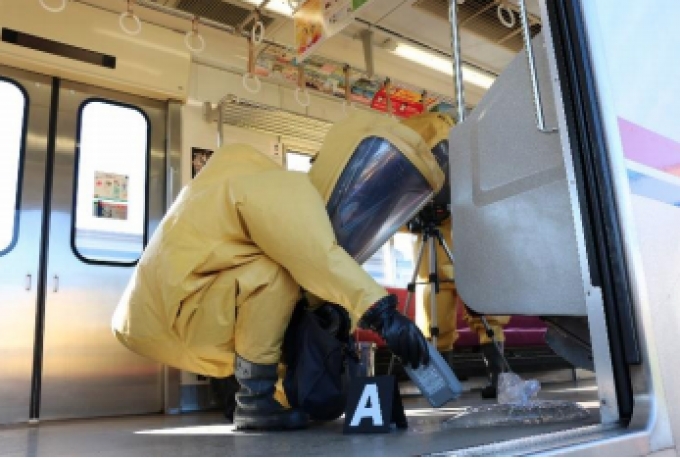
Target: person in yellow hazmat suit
[435, 128]
[217, 284]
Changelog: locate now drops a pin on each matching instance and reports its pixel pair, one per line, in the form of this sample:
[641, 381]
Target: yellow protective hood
[433, 127]
[344, 137]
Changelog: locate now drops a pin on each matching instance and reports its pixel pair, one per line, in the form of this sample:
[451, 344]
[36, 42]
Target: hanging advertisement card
[405, 103]
[317, 20]
[329, 78]
[308, 24]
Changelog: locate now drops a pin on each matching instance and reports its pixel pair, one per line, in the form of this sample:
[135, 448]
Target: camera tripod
[431, 234]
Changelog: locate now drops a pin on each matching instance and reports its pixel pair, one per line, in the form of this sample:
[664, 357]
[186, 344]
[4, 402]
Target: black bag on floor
[320, 357]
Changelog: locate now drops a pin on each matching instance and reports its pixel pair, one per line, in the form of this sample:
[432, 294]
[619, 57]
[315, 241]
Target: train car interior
[110, 107]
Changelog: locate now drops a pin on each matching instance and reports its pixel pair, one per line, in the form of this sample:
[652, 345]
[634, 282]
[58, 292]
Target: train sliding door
[97, 184]
[24, 120]
[107, 190]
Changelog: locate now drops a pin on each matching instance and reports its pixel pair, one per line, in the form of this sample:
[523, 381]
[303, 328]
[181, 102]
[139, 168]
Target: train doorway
[83, 190]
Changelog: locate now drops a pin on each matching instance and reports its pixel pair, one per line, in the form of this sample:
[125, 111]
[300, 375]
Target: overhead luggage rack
[298, 132]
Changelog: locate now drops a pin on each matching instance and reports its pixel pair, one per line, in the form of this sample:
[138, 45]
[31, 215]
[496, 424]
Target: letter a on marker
[370, 394]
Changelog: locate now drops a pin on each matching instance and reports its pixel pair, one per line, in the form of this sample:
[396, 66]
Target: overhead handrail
[131, 14]
[538, 104]
[53, 9]
[193, 33]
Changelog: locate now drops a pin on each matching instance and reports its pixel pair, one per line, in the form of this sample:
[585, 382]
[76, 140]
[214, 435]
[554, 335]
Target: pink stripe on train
[649, 148]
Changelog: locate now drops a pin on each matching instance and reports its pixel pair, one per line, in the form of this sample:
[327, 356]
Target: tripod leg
[448, 354]
[411, 289]
[434, 290]
[446, 248]
[496, 344]
[412, 285]
[489, 331]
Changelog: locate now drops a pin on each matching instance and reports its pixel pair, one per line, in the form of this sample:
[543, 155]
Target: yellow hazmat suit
[223, 272]
[434, 128]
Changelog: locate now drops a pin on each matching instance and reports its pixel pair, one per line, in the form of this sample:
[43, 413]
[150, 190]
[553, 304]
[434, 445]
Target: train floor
[206, 433]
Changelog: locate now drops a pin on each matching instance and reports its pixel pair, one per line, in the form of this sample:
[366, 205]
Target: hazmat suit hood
[434, 129]
[374, 173]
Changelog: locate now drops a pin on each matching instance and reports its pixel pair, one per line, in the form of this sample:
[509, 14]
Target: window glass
[12, 109]
[298, 161]
[111, 183]
[393, 264]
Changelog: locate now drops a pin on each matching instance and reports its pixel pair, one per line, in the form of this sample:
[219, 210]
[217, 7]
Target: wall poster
[199, 156]
[110, 197]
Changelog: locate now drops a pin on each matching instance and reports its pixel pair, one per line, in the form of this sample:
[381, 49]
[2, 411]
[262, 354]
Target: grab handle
[250, 73]
[54, 9]
[538, 104]
[304, 102]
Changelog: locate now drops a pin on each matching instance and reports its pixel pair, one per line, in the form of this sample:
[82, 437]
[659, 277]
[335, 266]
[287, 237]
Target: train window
[298, 161]
[393, 264]
[110, 189]
[12, 119]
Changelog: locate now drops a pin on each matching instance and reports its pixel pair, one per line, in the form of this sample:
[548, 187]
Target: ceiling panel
[485, 41]
[218, 11]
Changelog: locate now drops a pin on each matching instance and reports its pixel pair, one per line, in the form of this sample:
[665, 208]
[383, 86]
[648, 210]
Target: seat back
[516, 230]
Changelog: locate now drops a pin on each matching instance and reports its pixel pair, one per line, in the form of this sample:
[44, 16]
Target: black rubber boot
[494, 366]
[256, 407]
[225, 390]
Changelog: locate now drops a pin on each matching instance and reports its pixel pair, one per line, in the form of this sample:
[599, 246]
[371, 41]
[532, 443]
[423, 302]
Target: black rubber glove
[329, 318]
[403, 337]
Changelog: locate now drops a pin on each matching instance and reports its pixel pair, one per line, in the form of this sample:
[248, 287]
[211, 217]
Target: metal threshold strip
[538, 444]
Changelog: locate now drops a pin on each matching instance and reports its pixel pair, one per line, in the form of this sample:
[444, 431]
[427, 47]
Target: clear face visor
[378, 192]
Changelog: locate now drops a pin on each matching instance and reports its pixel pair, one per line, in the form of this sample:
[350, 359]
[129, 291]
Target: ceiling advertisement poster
[318, 20]
[329, 78]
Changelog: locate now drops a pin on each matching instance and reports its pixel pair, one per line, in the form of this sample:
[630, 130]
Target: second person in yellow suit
[435, 128]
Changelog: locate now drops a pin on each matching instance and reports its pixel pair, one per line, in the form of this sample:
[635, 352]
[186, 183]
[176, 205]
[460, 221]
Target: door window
[393, 264]
[111, 164]
[13, 111]
[298, 161]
